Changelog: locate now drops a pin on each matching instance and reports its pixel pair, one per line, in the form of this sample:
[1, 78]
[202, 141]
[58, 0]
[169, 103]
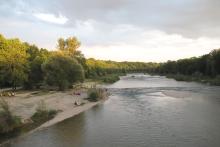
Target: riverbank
[215, 81]
[108, 78]
[68, 113]
[201, 79]
[67, 104]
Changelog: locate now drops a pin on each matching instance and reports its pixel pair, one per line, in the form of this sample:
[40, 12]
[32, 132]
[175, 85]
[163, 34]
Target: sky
[120, 30]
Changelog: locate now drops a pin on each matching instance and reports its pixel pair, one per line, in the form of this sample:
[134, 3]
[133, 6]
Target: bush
[95, 94]
[111, 78]
[108, 78]
[42, 114]
[8, 121]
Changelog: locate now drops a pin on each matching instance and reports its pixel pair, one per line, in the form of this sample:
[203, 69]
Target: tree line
[101, 68]
[25, 65]
[206, 65]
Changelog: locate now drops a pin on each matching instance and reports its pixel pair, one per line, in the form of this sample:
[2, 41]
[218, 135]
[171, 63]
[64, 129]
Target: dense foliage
[204, 69]
[35, 60]
[25, 65]
[13, 62]
[206, 65]
[97, 68]
[62, 71]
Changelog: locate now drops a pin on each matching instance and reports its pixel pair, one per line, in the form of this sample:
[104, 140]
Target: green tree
[13, 61]
[62, 71]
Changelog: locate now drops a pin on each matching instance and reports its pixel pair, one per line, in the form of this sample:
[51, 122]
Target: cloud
[190, 18]
[151, 45]
[47, 17]
[142, 30]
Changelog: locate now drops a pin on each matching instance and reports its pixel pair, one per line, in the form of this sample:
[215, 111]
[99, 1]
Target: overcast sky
[133, 30]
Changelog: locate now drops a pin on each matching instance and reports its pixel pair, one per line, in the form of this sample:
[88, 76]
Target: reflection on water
[143, 111]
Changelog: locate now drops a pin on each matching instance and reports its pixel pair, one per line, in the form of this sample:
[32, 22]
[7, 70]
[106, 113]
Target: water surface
[143, 111]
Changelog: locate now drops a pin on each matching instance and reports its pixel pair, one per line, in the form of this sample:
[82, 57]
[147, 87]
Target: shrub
[95, 94]
[8, 121]
[43, 114]
[111, 79]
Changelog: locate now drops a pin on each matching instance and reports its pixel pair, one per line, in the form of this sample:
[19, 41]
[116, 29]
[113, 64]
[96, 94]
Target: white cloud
[115, 33]
[151, 45]
[47, 17]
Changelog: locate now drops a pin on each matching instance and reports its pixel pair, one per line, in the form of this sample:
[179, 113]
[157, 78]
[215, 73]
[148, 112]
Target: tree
[69, 46]
[61, 44]
[36, 59]
[62, 71]
[13, 62]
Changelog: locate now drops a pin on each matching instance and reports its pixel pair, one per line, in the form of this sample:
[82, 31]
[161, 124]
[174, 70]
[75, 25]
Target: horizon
[143, 31]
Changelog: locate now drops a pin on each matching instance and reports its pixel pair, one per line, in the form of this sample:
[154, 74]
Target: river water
[142, 111]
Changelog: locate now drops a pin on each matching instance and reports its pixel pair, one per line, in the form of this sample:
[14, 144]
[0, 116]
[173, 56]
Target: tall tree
[13, 61]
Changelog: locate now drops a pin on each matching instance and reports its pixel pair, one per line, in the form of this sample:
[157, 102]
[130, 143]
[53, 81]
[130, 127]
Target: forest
[25, 65]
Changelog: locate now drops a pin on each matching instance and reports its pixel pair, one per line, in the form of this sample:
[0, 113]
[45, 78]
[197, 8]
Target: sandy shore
[24, 104]
[68, 114]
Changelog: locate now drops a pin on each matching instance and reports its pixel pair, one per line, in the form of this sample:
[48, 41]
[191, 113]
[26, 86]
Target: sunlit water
[140, 113]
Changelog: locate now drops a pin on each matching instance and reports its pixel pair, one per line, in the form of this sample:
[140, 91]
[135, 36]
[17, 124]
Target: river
[142, 111]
